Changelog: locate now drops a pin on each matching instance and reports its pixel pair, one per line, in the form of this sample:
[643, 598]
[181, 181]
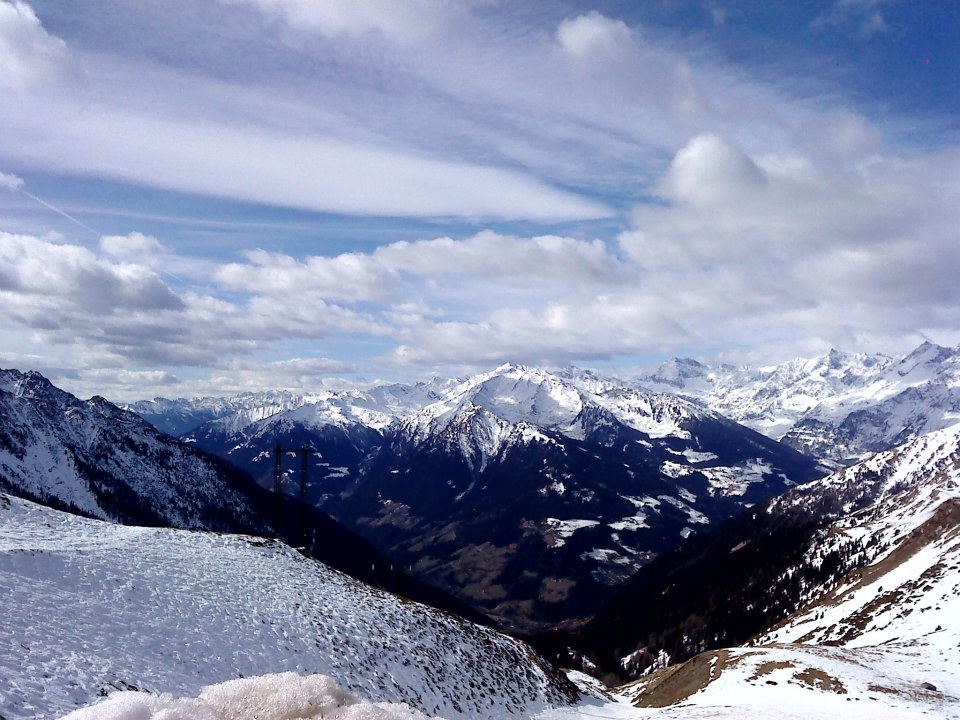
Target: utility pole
[277, 497]
[304, 470]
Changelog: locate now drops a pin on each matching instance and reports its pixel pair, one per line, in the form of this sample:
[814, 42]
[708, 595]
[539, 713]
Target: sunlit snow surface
[88, 607]
[883, 643]
[840, 405]
[802, 683]
[281, 696]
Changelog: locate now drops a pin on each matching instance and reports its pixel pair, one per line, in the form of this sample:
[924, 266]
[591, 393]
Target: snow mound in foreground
[281, 696]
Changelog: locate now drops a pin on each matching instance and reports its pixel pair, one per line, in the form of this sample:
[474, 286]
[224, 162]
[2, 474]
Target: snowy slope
[895, 513]
[278, 696]
[797, 682]
[841, 406]
[92, 457]
[908, 588]
[89, 607]
[876, 635]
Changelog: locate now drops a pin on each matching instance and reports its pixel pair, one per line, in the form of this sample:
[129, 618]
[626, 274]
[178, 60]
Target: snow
[695, 456]
[518, 404]
[90, 607]
[861, 403]
[676, 470]
[280, 696]
[89, 455]
[560, 530]
[881, 643]
[796, 682]
[735, 479]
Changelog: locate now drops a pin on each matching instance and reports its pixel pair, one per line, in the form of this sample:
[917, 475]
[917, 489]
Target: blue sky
[272, 193]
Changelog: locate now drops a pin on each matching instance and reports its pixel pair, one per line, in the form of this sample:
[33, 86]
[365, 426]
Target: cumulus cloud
[592, 33]
[768, 220]
[36, 274]
[10, 182]
[708, 170]
[134, 246]
[488, 255]
[29, 55]
[122, 312]
[827, 241]
[351, 276]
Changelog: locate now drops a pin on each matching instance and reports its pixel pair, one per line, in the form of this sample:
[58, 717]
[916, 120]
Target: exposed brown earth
[819, 680]
[676, 683]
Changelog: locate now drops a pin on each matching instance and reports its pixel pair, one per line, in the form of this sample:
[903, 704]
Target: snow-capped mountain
[530, 494]
[340, 427]
[91, 457]
[866, 556]
[526, 492]
[176, 417]
[375, 407]
[840, 406]
[90, 607]
[877, 641]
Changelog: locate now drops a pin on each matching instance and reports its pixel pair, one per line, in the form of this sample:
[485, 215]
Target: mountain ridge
[92, 458]
[583, 478]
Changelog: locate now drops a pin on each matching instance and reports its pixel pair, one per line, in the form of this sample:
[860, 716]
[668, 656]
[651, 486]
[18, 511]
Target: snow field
[281, 696]
[88, 607]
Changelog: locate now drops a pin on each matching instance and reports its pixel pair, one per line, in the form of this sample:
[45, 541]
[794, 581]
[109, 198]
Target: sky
[211, 196]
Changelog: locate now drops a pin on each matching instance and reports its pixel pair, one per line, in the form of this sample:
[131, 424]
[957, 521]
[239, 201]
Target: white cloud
[29, 55]
[37, 276]
[477, 122]
[828, 242]
[499, 259]
[777, 220]
[351, 276]
[709, 170]
[62, 294]
[591, 34]
[405, 21]
[135, 246]
[10, 182]
[315, 173]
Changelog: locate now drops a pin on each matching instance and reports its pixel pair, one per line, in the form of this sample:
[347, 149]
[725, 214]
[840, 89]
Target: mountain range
[840, 406]
[869, 555]
[92, 458]
[581, 476]
[524, 492]
[805, 596]
[854, 618]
